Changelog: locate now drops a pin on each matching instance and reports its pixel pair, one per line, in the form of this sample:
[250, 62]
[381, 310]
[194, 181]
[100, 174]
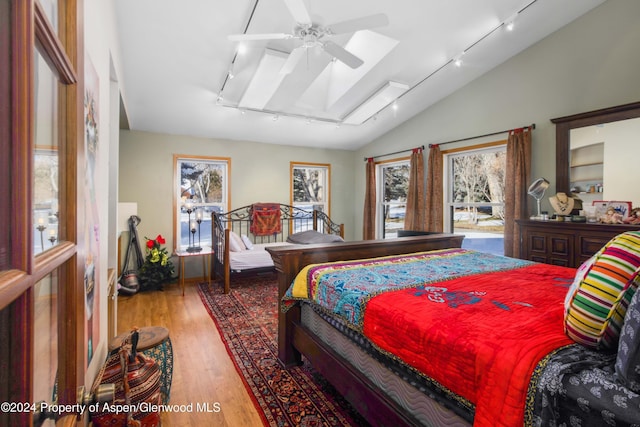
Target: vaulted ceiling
[183, 75]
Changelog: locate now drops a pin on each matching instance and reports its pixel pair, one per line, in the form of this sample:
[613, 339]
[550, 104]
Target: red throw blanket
[265, 219]
[480, 336]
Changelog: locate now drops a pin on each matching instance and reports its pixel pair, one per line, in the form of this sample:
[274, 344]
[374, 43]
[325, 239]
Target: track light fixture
[356, 117]
[509, 24]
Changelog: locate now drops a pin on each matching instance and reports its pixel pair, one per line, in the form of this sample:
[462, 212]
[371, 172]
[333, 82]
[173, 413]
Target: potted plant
[157, 268]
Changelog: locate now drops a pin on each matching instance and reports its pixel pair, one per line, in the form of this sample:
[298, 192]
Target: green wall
[259, 173]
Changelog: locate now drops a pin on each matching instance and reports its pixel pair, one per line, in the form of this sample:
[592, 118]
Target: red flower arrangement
[157, 268]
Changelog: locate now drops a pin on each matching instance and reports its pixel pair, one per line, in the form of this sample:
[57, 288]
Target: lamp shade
[537, 189]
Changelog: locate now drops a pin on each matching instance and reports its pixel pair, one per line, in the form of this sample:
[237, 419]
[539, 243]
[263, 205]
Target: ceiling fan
[312, 34]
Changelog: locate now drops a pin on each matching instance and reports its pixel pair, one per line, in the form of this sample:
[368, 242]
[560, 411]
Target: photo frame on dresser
[621, 207]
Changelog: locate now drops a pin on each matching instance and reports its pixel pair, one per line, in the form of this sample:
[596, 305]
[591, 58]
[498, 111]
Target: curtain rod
[532, 126]
[395, 152]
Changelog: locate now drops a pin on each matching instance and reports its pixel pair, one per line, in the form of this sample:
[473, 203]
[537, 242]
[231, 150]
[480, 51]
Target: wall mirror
[594, 151]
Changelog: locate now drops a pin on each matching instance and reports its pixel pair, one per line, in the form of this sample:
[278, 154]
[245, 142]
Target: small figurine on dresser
[634, 217]
[611, 216]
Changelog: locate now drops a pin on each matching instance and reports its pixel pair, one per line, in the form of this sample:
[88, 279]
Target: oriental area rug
[247, 319]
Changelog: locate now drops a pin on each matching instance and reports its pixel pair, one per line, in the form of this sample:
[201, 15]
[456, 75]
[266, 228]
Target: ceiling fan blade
[294, 57]
[250, 37]
[371, 21]
[342, 54]
[298, 11]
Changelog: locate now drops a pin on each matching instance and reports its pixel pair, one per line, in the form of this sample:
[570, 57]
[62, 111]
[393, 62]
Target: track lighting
[274, 60]
[509, 24]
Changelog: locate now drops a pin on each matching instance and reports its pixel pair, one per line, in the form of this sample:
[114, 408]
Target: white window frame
[199, 209]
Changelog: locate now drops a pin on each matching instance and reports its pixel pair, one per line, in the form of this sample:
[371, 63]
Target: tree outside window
[475, 197]
[310, 187]
[393, 184]
[202, 188]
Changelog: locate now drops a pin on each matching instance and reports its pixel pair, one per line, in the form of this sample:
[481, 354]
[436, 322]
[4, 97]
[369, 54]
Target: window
[202, 187]
[474, 198]
[393, 183]
[310, 189]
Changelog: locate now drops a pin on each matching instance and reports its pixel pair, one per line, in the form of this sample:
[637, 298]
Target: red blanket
[265, 219]
[480, 336]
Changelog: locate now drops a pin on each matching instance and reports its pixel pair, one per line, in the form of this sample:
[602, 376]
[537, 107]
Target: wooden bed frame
[239, 220]
[294, 340]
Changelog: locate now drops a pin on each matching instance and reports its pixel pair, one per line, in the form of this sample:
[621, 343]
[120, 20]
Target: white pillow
[235, 243]
[247, 242]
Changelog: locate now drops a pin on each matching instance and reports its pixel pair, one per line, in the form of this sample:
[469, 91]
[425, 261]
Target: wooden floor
[203, 372]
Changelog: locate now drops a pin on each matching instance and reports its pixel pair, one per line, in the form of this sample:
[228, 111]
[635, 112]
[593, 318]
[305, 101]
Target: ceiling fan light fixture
[312, 34]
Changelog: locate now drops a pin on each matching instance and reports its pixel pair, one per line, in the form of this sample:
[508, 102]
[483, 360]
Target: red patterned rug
[247, 319]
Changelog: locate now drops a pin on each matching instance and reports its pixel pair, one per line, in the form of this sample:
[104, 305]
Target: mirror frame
[563, 131]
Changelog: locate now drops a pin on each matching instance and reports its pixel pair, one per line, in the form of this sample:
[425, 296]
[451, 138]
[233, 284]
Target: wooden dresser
[565, 243]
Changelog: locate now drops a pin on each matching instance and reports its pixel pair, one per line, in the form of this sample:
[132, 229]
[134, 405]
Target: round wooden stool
[153, 342]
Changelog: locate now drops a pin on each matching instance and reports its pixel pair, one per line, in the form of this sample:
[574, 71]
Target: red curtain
[517, 179]
[435, 196]
[369, 217]
[415, 213]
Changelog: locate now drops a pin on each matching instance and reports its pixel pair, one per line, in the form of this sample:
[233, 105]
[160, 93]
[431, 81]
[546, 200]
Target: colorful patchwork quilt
[476, 323]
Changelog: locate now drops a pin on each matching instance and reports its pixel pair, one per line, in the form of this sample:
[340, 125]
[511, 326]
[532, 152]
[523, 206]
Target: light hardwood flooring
[203, 372]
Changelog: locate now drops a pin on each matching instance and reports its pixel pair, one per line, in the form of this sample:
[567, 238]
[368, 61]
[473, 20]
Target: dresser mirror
[595, 152]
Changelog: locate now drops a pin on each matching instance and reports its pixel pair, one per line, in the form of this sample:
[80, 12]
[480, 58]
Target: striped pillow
[597, 301]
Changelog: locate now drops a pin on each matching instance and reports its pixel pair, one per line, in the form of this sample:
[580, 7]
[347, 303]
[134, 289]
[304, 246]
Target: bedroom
[587, 65]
